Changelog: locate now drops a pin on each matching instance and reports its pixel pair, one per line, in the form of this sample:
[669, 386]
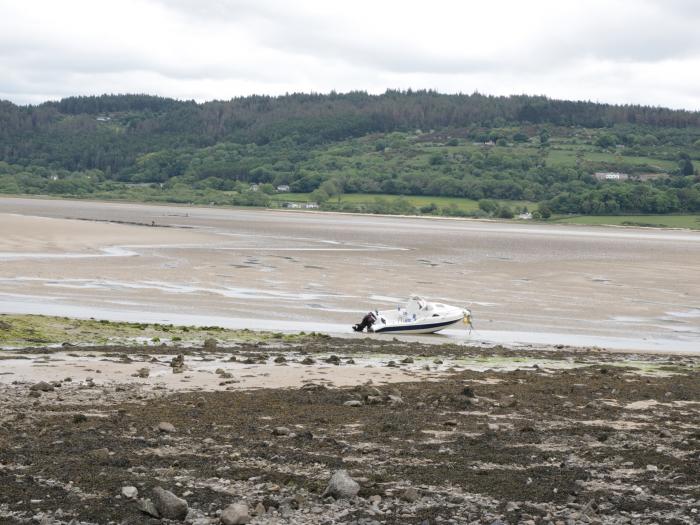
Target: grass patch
[691, 222]
[39, 330]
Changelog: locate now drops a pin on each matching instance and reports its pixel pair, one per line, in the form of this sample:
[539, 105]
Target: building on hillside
[254, 187]
[283, 188]
[310, 205]
[611, 176]
[525, 216]
[291, 205]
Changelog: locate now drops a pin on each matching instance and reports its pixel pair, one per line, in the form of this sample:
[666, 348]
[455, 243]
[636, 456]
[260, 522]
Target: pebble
[164, 426]
[130, 492]
[353, 403]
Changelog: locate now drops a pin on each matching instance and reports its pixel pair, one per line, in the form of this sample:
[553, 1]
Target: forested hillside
[518, 148]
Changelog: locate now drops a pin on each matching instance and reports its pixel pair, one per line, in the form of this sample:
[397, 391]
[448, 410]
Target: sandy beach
[533, 284]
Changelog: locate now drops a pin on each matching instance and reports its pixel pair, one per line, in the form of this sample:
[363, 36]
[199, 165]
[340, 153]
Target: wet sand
[539, 284]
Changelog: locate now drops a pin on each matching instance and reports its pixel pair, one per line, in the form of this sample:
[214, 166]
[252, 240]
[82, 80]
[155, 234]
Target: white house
[611, 176]
[283, 188]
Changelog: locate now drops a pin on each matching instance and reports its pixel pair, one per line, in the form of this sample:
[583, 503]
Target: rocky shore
[555, 437]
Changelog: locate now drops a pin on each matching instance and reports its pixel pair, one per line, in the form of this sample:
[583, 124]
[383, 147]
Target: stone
[101, 455]
[308, 361]
[236, 514]
[169, 505]
[407, 360]
[493, 427]
[142, 373]
[42, 386]
[333, 360]
[146, 506]
[210, 345]
[395, 400]
[468, 391]
[341, 485]
[177, 362]
[374, 400]
[166, 427]
[281, 431]
[260, 509]
[280, 359]
[130, 492]
[410, 494]
[375, 500]
[353, 403]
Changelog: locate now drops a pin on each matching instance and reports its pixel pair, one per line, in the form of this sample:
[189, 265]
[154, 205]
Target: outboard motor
[367, 322]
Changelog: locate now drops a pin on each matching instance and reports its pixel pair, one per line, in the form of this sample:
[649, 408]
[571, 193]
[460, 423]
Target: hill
[414, 143]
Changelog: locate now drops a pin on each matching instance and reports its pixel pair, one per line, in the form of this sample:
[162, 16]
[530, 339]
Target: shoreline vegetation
[464, 207]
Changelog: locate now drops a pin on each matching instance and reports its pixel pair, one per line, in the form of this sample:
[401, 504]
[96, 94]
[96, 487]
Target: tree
[606, 140]
[685, 165]
[545, 211]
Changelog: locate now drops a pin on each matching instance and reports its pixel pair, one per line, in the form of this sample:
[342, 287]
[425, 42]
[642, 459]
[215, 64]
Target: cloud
[643, 51]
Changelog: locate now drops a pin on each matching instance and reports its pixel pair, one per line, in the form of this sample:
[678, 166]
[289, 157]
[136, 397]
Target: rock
[34, 393]
[407, 360]
[665, 433]
[146, 506]
[333, 360]
[166, 427]
[375, 500]
[101, 455]
[260, 509]
[652, 468]
[374, 400]
[391, 364]
[281, 431]
[280, 359]
[210, 345]
[468, 391]
[169, 505]
[353, 403]
[341, 485]
[177, 363]
[308, 361]
[142, 373]
[130, 492]
[450, 423]
[42, 386]
[235, 514]
[410, 494]
[493, 427]
[395, 400]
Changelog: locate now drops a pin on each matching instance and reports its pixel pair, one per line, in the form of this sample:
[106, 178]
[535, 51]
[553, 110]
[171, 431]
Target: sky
[617, 51]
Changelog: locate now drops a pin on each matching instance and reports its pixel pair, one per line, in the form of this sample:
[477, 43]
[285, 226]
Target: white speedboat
[417, 316]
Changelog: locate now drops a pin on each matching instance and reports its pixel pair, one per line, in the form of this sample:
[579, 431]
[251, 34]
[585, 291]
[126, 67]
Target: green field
[657, 221]
[465, 205]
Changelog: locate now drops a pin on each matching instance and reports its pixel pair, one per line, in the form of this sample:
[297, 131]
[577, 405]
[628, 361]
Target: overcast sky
[620, 51]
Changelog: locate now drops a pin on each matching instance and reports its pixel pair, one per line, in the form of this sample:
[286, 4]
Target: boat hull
[424, 327]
